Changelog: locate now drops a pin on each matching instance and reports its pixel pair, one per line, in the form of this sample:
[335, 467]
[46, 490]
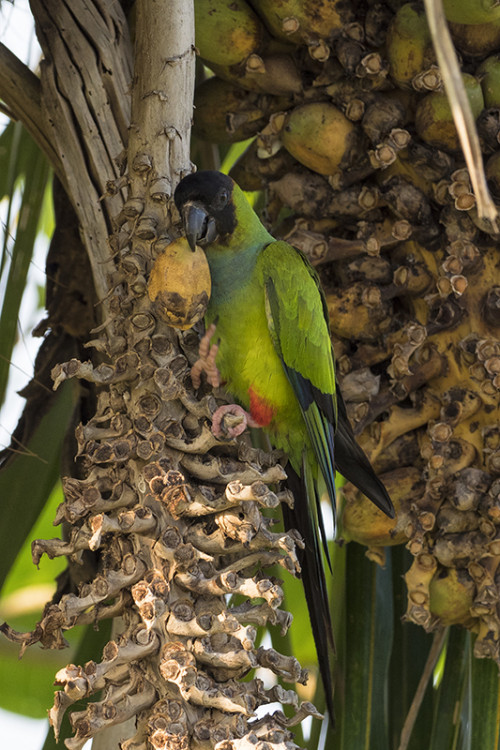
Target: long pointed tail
[353, 464]
[302, 518]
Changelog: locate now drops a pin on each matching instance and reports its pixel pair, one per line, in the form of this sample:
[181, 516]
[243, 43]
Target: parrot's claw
[222, 426]
[206, 362]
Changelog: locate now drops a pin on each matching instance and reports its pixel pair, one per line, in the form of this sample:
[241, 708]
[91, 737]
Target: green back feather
[297, 314]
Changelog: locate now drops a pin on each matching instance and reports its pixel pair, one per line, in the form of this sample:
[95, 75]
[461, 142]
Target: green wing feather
[296, 313]
[298, 316]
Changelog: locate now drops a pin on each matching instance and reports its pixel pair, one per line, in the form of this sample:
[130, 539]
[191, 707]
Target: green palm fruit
[321, 137]
[489, 75]
[409, 44]
[434, 120]
[227, 31]
[303, 20]
[471, 11]
[225, 113]
[476, 39]
[272, 74]
[451, 595]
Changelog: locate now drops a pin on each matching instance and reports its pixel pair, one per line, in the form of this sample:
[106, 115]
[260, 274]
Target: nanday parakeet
[275, 356]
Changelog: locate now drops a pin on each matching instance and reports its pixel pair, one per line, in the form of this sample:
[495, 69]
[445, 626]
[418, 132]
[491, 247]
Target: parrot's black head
[204, 201]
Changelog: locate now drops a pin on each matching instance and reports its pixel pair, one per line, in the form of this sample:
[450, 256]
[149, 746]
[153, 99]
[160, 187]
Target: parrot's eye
[221, 199]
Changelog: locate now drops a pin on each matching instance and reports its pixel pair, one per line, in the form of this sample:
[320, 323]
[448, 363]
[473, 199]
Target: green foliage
[26, 687]
[26, 165]
[27, 481]
[451, 691]
[32, 470]
[483, 695]
[22, 569]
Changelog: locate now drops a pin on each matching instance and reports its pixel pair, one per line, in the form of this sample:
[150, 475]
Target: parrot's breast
[249, 363]
[261, 409]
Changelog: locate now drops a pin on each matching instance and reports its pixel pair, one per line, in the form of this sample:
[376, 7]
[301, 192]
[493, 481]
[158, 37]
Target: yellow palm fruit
[452, 593]
[364, 523]
[489, 75]
[434, 120]
[303, 20]
[272, 74]
[409, 44]
[471, 11]
[358, 311]
[476, 39]
[418, 579]
[224, 113]
[226, 31]
[179, 284]
[321, 137]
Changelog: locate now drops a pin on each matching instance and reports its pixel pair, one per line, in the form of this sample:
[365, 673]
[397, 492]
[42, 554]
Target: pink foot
[206, 362]
[221, 426]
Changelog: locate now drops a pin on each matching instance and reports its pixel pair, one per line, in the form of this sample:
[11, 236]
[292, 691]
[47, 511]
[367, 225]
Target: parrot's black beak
[198, 225]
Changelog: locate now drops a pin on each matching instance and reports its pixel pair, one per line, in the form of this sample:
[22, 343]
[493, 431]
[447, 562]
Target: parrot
[274, 356]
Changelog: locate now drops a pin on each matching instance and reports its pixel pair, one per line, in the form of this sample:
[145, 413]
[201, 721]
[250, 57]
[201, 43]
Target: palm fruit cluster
[355, 145]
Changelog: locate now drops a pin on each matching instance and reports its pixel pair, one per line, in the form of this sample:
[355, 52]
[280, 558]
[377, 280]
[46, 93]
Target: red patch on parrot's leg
[260, 409]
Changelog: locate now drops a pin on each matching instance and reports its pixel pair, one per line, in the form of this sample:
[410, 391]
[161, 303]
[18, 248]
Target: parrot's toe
[206, 362]
[210, 370]
[230, 421]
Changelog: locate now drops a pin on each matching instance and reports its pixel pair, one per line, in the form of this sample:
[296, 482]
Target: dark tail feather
[313, 578]
[351, 461]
